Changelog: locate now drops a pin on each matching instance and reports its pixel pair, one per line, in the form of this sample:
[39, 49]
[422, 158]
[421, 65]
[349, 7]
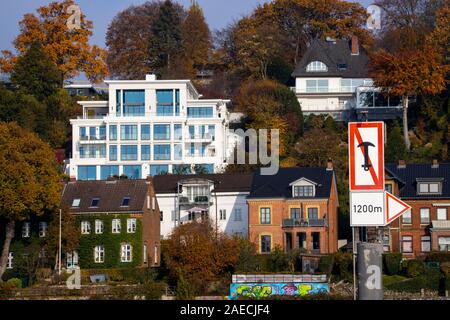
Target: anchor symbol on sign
[366, 146]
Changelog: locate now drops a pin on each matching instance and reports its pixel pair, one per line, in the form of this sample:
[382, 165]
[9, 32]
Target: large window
[159, 169]
[161, 132]
[266, 243]
[145, 152]
[350, 85]
[295, 213]
[442, 213]
[87, 172]
[161, 151]
[128, 152]
[126, 253]
[132, 172]
[108, 171]
[212, 131]
[113, 132]
[407, 244]
[99, 254]
[112, 153]
[313, 213]
[200, 112]
[192, 132]
[134, 103]
[424, 216]
[316, 66]
[372, 99]
[317, 85]
[145, 132]
[303, 191]
[93, 151]
[178, 152]
[164, 103]
[425, 243]
[128, 132]
[238, 214]
[178, 131]
[444, 244]
[264, 216]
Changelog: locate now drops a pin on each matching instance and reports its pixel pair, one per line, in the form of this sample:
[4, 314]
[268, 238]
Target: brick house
[426, 188]
[296, 208]
[119, 223]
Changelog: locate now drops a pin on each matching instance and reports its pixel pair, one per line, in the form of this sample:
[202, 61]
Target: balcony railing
[183, 200]
[291, 223]
[92, 138]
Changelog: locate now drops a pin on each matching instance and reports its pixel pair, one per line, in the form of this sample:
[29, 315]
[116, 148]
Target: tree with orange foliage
[68, 48]
[199, 253]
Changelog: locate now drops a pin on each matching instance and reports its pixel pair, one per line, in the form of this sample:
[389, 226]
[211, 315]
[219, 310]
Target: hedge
[429, 280]
[392, 262]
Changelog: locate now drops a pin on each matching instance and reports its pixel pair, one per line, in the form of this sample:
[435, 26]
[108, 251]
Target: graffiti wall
[263, 290]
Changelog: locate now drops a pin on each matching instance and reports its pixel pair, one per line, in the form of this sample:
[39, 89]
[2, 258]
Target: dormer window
[125, 202]
[95, 202]
[316, 66]
[429, 187]
[75, 203]
[303, 188]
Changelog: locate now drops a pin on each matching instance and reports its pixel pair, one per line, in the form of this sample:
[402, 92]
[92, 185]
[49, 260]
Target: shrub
[342, 267]
[392, 263]
[14, 283]
[438, 257]
[185, 289]
[445, 269]
[429, 280]
[326, 264]
[414, 268]
[389, 280]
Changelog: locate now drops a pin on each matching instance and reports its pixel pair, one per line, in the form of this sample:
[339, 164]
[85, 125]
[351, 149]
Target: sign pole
[354, 263]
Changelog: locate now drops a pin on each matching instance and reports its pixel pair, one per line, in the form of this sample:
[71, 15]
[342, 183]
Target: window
[319, 85]
[444, 244]
[313, 213]
[303, 191]
[113, 132]
[429, 187]
[95, 202]
[316, 66]
[72, 259]
[178, 152]
[125, 202]
[238, 214]
[161, 216]
[85, 227]
[161, 132]
[99, 254]
[92, 151]
[116, 226]
[161, 151]
[223, 214]
[145, 132]
[128, 153]
[295, 213]
[264, 215]
[406, 218]
[388, 187]
[87, 173]
[82, 132]
[159, 169]
[164, 103]
[99, 226]
[9, 264]
[178, 131]
[424, 216]
[128, 132]
[131, 225]
[212, 131]
[92, 132]
[425, 243]
[350, 85]
[192, 149]
[102, 132]
[145, 152]
[442, 213]
[266, 243]
[108, 171]
[133, 103]
[132, 172]
[26, 230]
[174, 215]
[200, 112]
[76, 203]
[407, 244]
[112, 153]
[43, 229]
[125, 253]
[192, 132]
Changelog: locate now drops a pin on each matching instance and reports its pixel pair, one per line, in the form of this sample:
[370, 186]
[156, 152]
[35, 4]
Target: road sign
[394, 207]
[367, 209]
[366, 155]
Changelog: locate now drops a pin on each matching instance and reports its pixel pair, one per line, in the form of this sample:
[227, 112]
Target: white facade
[148, 127]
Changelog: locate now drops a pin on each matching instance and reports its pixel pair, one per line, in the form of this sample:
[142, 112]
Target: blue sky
[218, 13]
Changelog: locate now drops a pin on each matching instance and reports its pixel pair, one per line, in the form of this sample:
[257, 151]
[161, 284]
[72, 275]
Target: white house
[220, 197]
[148, 127]
[332, 78]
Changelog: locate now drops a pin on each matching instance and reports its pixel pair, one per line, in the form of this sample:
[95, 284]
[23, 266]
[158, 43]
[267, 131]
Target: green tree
[166, 43]
[36, 74]
[395, 146]
[29, 180]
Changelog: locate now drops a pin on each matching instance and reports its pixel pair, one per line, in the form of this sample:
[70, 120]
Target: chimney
[330, 165]
[401, 164]
[435, 164]
[150, 77]
[355, 46]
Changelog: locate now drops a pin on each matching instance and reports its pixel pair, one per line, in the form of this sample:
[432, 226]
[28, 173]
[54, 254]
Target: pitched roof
[277, 186]
[413, 172]
[109, 193]
[333, 54]
[227, 182]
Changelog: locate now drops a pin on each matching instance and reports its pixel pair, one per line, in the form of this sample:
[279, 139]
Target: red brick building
[426, 188]
[296, 208]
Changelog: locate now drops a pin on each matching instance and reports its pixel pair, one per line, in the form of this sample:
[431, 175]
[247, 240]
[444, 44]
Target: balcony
[200, 138]
[294, 223]
[92, 138]
[197, 200]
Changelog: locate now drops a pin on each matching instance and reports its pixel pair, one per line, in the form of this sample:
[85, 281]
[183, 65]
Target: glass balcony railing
[292, 223]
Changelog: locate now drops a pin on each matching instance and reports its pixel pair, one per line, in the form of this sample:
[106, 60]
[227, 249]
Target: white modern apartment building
[149, 127]
[222, 198]
[332, 78]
